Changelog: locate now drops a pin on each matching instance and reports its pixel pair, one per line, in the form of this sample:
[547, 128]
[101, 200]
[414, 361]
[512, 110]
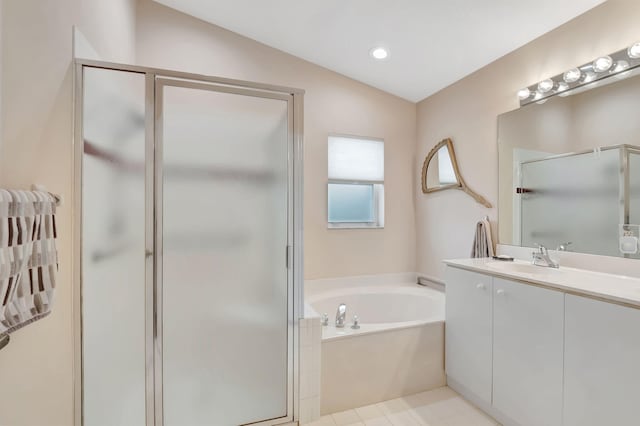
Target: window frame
[378, 191]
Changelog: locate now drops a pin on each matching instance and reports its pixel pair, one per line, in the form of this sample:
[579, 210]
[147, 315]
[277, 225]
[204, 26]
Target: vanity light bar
[618, 63]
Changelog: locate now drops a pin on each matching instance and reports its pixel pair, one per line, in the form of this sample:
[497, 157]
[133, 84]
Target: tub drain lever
[356, 324]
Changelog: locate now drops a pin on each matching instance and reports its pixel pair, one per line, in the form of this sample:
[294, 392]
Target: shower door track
[155, 77]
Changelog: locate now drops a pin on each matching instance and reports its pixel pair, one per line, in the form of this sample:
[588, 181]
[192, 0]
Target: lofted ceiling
[431, 43]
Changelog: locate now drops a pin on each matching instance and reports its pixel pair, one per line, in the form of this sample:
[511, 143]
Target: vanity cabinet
[534, 356]
[468, 330]
[602, 363]
[527, 352]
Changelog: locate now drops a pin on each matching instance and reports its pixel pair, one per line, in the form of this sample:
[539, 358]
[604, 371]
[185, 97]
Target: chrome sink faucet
[341, 313]
[564, 246]
[541, 258]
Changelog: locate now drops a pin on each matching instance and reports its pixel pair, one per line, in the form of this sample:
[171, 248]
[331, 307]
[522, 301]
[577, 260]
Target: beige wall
[467, 112]
[35, 146]
[333, 104]
[36, 368]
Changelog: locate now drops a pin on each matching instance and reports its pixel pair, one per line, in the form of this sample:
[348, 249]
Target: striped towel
[482, 242]
[28, 257]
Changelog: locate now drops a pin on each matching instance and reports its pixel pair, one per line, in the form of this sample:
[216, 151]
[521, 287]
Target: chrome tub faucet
[341, 313]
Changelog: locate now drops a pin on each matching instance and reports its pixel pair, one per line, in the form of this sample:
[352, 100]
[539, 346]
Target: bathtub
[398, 349]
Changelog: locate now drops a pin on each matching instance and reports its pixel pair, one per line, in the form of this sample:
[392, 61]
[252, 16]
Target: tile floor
[438, 407]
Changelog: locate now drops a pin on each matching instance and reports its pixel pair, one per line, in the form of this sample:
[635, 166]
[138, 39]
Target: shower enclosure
[585, 198]
[189, 189]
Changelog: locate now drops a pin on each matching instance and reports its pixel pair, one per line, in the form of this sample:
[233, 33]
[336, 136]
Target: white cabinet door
[468, 331]
[602, 363]
[528, 353]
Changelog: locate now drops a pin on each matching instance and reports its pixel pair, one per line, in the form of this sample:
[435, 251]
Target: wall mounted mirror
[569, 170]
[440, 171]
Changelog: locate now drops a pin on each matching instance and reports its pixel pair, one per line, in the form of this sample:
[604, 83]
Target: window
[356, 183]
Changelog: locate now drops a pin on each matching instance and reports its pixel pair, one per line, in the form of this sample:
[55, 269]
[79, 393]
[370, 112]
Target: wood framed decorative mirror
[440, 171]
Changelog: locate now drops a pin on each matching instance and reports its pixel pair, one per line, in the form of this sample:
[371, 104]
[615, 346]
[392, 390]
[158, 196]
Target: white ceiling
[432, 43]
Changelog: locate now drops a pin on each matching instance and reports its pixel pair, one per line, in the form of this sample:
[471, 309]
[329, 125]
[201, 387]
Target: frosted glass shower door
[573, 198]
[113, 247]
[634, 187]
[226, 300]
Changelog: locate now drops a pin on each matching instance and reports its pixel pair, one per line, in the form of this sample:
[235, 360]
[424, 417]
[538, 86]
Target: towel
[482, 241]
[28, 257]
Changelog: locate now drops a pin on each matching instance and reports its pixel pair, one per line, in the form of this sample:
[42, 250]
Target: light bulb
[545, 85]
[524, 94]
[379, 53]
[572, 75]
[537, 96]
[602, 64]
[634, 50]
[621, 65]
[562, 86]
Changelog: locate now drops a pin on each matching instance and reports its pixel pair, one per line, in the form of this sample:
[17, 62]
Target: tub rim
[330, 333]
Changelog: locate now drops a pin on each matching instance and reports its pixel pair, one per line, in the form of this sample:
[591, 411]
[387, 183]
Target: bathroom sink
[522, 268]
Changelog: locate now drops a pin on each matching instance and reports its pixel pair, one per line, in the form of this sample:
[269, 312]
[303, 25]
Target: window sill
[355, 225]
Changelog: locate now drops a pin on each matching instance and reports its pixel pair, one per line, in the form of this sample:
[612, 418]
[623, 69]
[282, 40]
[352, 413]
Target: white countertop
[610, 287]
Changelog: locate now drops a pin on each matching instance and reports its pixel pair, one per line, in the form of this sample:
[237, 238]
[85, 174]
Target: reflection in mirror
[569, 171]
[440, 171]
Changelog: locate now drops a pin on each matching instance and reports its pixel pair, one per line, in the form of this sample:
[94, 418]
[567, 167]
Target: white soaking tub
[398, 349]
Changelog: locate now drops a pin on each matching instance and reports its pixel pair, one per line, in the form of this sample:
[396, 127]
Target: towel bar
[38, 187]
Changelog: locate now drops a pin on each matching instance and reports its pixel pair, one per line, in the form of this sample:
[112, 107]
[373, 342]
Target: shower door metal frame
[160, 84]
[155, 78]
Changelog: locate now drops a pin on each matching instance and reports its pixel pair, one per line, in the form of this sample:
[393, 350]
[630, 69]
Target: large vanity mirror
[569, 170]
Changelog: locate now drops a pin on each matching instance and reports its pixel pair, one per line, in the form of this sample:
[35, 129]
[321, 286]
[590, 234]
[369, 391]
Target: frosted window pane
[356, 159]
[351, 203]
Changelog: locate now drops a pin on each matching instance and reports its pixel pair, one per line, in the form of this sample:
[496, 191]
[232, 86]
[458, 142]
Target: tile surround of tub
[405, 361]
[311, 287]
[310, 350]
[438, 407]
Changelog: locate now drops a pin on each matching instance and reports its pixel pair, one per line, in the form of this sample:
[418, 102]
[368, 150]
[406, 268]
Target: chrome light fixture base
[615, 64]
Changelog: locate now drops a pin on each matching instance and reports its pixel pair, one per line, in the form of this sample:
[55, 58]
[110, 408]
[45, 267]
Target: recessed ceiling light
[379, 53]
